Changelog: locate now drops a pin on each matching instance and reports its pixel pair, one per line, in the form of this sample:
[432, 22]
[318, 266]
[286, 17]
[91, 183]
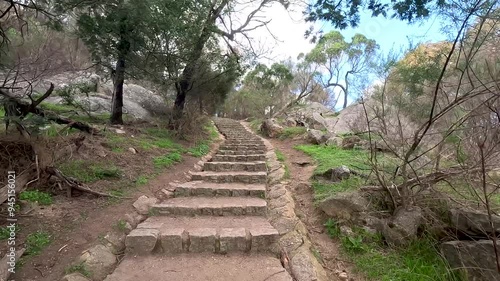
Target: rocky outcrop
[316, 136]
[344, 205]
[336, 174]
[477, 258]
[271, 128]
[403, 227]
[474, 224]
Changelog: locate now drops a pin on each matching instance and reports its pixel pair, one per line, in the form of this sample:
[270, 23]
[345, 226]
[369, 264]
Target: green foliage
[323, 190]
[36, 242]
[88, 171]
[290, 132]
[141, 180]
[332, 228]
[344, 14]
[4, 233]
[199, 149]
[279, 155]
[121, 225]
[37, 196]
[57, 108]
[79, 268]
[331, 156]
[167, 160]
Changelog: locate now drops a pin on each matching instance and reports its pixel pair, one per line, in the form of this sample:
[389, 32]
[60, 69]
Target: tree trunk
[117, 106]
[345, 89]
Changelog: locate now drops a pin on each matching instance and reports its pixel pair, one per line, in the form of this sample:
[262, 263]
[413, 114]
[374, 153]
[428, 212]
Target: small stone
[132, 150]
[74, 277]
[115, 241]
[165, 194]
[143, 204]
[99, 261]
[120, 131]
[343, 276]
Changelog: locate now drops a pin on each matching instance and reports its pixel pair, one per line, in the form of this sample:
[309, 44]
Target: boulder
[115, 241]
[477, 258]
[290, 122]
[403, 227]
[344, 205]
[316, 136]
[336, 174]
[143, 204]
[350, 141]
[99, 261]
[75, 277]
[473, 223]
[271, 128]
[334, 141]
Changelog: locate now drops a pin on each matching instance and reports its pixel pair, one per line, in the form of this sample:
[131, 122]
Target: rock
[165, 194]
[343, 276]
[316, 136]
[473, 223]
[115, 242]
[344, 205]
[475, 257]
[134, 219]
[99, 261]
[350, 141]
[334, 141]
[74, 277]
[290, 122]
[271, 128]
[305, 267]
[133, 150]
[404, 226]
[311, 115]
[120, 131]
[346, 231]
[336, 174]
[143, 204]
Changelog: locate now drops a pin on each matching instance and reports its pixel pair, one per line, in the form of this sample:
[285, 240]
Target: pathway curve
[216, 227]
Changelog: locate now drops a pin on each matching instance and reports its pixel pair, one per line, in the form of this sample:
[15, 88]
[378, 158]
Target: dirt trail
[301, 169]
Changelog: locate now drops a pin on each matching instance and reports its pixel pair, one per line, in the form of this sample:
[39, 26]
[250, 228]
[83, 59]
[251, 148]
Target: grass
[323, 190]
[199, 150]
[291, 132]
[78, 268]
[36, 242]
[420, 261]
[88, 171]
[36, 196]
[4, 233]
[121, 225]
[57, 108]
[255, 124]
[331, 156]
[167, 160]
[141, 180]
[279, 155]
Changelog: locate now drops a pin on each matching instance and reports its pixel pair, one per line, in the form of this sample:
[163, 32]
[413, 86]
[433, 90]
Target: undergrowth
[291, 132]
[36, 196]
[36, 242]
[88, 171]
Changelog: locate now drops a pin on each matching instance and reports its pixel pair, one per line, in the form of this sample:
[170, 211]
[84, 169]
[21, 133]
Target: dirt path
[301, 169]
[78, 223]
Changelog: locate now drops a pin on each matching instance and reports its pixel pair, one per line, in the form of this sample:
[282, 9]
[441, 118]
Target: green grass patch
[79, 268]
[121, 225]
[291, 132]
[331, 157]
[4, 233]
[57, 108]
[323, 190]
[199, 150]
[36, 242]
[255, 125]
[420, 261]
[37, 196]
[279, 155]
[89, 172]
[141, 180]
[167, 160]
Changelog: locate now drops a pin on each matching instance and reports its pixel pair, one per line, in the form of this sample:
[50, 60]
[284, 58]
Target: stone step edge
[185, 190]
[216, 240]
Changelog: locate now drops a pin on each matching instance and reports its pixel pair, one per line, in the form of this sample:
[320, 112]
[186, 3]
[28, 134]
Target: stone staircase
[221, 210]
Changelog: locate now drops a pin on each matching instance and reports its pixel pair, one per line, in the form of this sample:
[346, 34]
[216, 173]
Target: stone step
[208, 189]
[211, 206]
[238, 158]
[238, 147]
[244, 143]
[241, 152]
[235, 166]
[202, 234]
[226, 177]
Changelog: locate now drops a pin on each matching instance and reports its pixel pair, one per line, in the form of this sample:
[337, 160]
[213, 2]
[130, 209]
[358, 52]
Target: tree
[344, 13]
[341, 59]
[113, 30]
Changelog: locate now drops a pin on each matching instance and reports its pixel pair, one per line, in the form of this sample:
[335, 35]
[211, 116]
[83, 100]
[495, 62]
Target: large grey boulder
[317, 136]
[477, 258]
[312, 115]
[344, 205]
[403, 227]
[473, 223]
[336, 174]
[271, 128]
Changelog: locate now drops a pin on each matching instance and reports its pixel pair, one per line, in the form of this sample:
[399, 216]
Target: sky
[289, 28]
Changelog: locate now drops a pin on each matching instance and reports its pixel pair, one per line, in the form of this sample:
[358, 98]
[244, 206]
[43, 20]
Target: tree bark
[346, 89]
[117, 106]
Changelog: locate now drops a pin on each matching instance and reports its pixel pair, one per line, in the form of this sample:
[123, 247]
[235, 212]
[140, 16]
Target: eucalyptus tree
[339, 59]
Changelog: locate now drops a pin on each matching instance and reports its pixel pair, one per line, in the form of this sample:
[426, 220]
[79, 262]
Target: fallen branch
[73, 183]
[21, 181]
